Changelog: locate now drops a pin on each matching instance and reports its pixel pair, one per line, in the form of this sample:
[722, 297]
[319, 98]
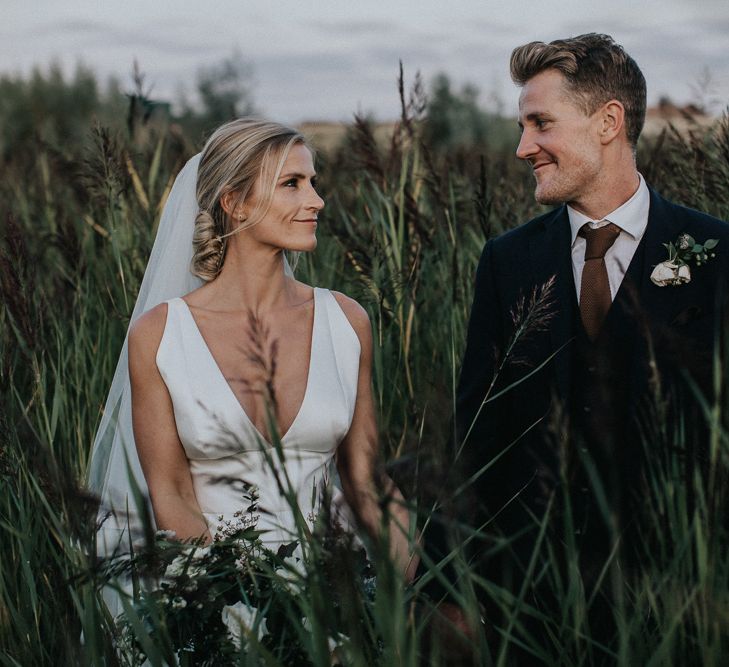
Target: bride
[238, 374]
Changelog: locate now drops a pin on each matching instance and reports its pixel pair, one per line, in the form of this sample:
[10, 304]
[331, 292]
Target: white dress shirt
[632, 218]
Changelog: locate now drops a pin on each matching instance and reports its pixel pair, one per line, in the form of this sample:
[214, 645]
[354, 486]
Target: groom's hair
[596, 69]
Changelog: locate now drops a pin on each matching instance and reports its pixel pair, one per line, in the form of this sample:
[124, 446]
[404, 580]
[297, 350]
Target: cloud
[320, 63]
[74, 26]
[86, 34]
[356, 28]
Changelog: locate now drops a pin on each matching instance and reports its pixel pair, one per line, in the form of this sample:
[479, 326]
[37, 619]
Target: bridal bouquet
[215, 604]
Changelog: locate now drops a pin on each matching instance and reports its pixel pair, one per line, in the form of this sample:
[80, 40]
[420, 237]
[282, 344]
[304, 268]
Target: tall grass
[402, 231]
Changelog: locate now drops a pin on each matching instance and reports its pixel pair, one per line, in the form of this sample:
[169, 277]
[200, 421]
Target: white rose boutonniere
[675, 270]
[670, 273]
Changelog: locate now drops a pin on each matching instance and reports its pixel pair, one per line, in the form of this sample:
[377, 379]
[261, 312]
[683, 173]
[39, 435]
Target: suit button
[587, 408]
[591, 369]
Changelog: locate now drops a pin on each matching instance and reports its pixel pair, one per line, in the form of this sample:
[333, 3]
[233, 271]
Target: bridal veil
[114, 460]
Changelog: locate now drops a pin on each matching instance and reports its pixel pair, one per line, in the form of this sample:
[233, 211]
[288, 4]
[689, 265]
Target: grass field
[402, 231]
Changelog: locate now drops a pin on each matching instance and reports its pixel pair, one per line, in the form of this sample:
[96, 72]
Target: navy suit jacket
[674, 326]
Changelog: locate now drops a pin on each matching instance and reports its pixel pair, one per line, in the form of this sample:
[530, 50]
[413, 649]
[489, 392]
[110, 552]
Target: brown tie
[595, 296]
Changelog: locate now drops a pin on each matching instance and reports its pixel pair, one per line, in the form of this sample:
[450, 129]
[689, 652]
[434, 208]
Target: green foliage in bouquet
[234, 598]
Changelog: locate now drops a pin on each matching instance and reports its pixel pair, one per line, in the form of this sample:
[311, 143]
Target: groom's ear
[612, 121]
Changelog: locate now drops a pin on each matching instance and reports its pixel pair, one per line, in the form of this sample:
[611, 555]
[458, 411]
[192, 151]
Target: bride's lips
[310, 221]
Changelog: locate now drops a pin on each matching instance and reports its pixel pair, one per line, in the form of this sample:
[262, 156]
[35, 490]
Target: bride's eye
[291, 183]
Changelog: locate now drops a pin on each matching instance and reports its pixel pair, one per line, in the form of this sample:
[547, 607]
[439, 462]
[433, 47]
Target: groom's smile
[540, 165]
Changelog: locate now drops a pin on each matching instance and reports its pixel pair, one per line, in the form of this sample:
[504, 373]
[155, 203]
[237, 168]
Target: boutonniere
[675, 270]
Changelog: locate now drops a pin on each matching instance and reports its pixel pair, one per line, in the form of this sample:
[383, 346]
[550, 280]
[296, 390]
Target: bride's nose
[315, 202]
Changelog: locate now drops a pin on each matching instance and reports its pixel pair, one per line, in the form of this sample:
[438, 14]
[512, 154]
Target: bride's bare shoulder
[356, 314]
[146, 332]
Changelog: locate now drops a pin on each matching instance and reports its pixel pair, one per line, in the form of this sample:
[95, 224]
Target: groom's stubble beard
[569, 179]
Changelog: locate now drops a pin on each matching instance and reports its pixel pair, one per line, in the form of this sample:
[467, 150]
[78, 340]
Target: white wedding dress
[225, 450]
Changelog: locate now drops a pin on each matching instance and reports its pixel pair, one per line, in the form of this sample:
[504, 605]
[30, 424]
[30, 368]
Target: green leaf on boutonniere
[710, 244]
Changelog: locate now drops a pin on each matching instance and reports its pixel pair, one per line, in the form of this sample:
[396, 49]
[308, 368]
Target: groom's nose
[527, 147]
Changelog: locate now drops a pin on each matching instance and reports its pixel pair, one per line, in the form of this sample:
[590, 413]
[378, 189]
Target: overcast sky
[326, 59]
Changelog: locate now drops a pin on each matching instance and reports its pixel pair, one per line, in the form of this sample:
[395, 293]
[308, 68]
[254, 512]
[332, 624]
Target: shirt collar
[631, 217]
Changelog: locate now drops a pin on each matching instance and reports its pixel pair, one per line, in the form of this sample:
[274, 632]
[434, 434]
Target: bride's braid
[208, 247]
[235, 157]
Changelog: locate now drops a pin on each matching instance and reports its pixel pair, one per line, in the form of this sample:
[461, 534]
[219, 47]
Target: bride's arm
[357, 458]
[161, 454]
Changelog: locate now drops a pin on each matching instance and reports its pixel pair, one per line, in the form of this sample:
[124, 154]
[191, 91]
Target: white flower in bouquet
[176, 567]
[199, 553]
[240, 521]
[293, 574]
[240, 615]
[183, 564]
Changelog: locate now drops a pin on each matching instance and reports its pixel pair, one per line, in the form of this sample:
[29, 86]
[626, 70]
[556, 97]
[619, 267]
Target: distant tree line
[57, 111]
[456, 121]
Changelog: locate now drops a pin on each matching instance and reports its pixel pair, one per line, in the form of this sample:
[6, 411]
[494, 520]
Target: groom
[583, 339]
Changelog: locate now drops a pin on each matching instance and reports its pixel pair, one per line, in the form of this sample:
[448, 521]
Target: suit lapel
[550, 255]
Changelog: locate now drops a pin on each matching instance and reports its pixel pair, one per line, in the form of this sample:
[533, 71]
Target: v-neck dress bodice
[226, 452]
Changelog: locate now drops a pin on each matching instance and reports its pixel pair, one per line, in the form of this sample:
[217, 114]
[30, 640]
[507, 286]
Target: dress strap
[343, 343]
